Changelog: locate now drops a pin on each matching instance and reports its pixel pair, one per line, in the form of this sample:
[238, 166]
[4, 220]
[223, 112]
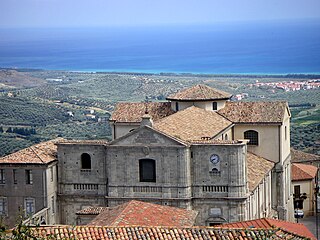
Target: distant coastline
[191, 74]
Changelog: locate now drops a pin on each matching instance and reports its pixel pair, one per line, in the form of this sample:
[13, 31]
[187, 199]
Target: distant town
[289, 85]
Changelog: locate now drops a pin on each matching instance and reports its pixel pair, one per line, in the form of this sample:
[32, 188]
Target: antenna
[146, 105]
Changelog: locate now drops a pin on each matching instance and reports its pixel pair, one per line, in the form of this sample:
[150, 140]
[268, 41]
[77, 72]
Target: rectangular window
[52, 205]
[3, 206]
[29, 179]
[147, 168]
[297, 191]
[214, 106]
[14, 173]
[2, 177]
[29, 206]
[177, 106]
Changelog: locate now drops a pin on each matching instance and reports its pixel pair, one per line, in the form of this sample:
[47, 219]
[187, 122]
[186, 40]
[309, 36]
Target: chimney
[146, 120]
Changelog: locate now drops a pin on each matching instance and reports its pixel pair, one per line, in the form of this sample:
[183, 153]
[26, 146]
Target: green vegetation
[62, 107]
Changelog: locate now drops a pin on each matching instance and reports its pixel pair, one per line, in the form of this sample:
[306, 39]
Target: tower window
[147, 170]
[85, 161]
[177, 106]
[253, 136]
[214, 106]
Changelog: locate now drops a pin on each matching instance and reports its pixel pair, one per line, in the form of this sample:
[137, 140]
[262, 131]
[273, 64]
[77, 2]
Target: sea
[278, 47]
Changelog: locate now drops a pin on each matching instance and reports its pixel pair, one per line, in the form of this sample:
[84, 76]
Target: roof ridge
[120, 215]
[36, 154]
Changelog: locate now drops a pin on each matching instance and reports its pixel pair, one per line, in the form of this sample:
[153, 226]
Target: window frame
[142, 175]
[14, 176]
[2, 176]
[3, 206]
[29, 176]
[253, 136]
[29, 204]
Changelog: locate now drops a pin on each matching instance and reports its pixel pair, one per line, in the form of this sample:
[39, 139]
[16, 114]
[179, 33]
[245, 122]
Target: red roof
[267, 223]
[145, 214]
[301, 171]
[173, 233]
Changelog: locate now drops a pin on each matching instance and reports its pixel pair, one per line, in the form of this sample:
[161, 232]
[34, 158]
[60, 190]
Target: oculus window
[147, 170]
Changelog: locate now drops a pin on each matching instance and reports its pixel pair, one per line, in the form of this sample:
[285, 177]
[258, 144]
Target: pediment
[146, 136]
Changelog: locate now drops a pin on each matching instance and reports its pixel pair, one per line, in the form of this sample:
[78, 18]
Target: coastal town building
[304, 181]
[230, 161]
[28, 184]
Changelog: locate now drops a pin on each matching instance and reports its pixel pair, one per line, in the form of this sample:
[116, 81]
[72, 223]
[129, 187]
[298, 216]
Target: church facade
[230, 161]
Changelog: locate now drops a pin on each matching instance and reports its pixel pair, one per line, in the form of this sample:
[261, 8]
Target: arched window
[147, 170]
[226, 137]
[253, 136]
[85, 161]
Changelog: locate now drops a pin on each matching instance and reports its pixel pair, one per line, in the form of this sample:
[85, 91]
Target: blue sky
[90, 13]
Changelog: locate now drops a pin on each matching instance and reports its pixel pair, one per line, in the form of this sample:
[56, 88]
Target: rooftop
[133, 112]
[145, 214]
[92, 210]
[41, 153]
[267, 223]
[258, 167]
[136, 232]
[193, 124]
[302, 172]
[299, 156]
[200, 93]
[254, 112]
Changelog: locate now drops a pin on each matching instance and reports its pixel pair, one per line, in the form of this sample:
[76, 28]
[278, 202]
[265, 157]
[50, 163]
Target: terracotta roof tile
[137, 232]
[301, 171]
[299, 156]
[92, 210]
[133, 112]
[199, 92]
[79, 142]
[254, 112]
[267, 223]
[258, 167]
[193, 124]
[145, 214]
[42, 153]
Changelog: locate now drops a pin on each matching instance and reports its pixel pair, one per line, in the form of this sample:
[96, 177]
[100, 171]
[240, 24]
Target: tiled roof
[85, 142]
[299, 156]
[267, 223]
[42, 153]
[145, 214]
[199, 92]
[132, 112]
[301, 171]
[92, 210]
[258, 167]
[254, 112]
[214, 142]
[192, 124]
[136, 232]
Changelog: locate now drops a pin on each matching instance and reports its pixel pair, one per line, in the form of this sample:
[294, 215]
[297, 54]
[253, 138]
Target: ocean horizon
[244, 48]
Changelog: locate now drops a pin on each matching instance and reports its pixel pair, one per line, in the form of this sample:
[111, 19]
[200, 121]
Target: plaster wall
[269, 140]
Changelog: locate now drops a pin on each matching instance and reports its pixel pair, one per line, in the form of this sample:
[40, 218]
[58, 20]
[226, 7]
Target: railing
[215, 188]
[147, 189]
[85, 186]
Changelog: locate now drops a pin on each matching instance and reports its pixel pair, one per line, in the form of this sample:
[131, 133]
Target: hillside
[13, 79]
[79, 104]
